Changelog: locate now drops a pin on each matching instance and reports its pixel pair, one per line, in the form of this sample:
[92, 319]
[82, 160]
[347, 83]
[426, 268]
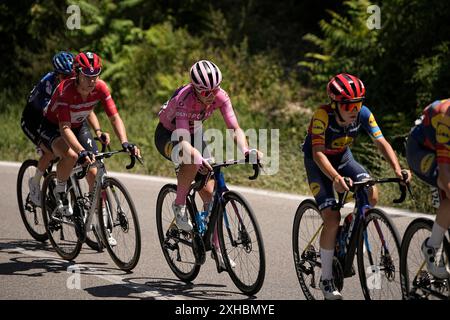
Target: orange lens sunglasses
[350, 107]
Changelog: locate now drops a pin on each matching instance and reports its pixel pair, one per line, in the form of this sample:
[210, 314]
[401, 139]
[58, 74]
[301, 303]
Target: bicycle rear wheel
[60, 230]
[379, 257]
[306, 248]
[417, 282]
[30, 213]
[120, 221]
[240, 240]
[175, 244]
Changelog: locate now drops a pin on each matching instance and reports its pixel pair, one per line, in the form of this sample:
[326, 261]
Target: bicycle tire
[46, 205]
[244, 233]
[307, 262]
[411, 232]
[386, 269]
[186, 275]
[24, 212]
[128, 262]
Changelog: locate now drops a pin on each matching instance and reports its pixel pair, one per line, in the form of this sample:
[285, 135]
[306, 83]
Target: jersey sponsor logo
[436, 119]
[315, 188]
[372, 121]
[342, 142]
[442, 133]
[78, 117]
[427, 162]
[318, 127]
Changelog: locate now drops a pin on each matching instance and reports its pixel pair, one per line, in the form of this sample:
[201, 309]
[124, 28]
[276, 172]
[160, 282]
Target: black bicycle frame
[219, 189]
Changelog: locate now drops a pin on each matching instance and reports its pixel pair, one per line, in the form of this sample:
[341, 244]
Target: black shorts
[30, 123]
[322, 187]
[49, 132]
[165, 144]
[422, 161]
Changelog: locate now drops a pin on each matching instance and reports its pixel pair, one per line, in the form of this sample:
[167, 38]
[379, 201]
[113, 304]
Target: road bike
[109, 201]
[367, 232]
[238, 232]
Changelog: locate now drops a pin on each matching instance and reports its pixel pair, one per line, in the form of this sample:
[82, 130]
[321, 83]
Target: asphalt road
[31, 270]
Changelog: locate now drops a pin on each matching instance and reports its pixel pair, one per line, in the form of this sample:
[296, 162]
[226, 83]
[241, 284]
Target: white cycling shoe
[35, 192]
[181, 217]
[329, 290]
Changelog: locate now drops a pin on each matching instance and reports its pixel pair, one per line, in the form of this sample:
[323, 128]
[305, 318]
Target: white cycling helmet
[205, 75]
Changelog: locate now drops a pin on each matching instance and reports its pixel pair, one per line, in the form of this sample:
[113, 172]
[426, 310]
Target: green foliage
[345, 46]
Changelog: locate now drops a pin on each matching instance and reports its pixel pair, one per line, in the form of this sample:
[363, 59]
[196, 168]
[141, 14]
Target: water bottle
[202, 220]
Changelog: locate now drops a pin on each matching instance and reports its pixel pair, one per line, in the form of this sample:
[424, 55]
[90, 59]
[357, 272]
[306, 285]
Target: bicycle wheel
[175, 244]
[306, 248]
[379, 257]
[60, 230]
[417, 282]
[240, 240]
[30, 213]
[120, 222]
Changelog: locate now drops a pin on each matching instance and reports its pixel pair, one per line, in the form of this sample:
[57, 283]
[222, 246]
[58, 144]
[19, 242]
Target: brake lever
[256, 169]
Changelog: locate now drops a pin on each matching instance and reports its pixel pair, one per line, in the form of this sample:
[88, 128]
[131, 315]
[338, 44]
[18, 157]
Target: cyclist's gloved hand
[85, 157]
[132, 149]
[104, 138]
[404, 174]
[340, 184]
[205, 166]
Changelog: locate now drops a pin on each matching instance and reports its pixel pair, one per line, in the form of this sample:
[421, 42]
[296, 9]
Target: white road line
[266, 193]
[141, 289]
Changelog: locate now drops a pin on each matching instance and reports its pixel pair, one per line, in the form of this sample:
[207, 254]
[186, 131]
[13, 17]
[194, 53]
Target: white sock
[60, 187]
[326, 256]
[38, 175]
[437, 235]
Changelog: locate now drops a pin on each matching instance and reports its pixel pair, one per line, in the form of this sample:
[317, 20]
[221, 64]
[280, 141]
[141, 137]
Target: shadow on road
[163, 288]
[34, 259]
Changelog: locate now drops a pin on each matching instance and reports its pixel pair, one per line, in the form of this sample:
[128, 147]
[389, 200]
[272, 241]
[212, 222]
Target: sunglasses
[350, 107]
[208, 93]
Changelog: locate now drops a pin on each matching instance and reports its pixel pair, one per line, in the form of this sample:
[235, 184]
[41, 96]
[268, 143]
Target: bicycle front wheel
[417, 282]
[176, 244]
[241, 241]
[379, 257]
[30, 213]
[120, 228]
[60, 229]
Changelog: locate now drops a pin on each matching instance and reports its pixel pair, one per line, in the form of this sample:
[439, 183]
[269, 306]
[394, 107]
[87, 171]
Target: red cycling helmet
[345, 88]
[88, 63]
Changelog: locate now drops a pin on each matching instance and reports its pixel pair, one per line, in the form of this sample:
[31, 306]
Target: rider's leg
[46, 158]
[373, 196]
[331, 219]
[441, 224]
[206, 194]
[68, 158]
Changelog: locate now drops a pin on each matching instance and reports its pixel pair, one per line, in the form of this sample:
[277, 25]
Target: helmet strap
[336, 110]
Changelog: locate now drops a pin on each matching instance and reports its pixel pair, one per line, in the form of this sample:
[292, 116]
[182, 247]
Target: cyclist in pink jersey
[63, 130]
[180, 119]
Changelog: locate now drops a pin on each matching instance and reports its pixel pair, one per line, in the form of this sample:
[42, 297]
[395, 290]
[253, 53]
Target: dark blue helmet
[63, 63]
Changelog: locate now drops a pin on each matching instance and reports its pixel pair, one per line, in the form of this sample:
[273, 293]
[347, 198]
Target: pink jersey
[67, 105]
[184, 108]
